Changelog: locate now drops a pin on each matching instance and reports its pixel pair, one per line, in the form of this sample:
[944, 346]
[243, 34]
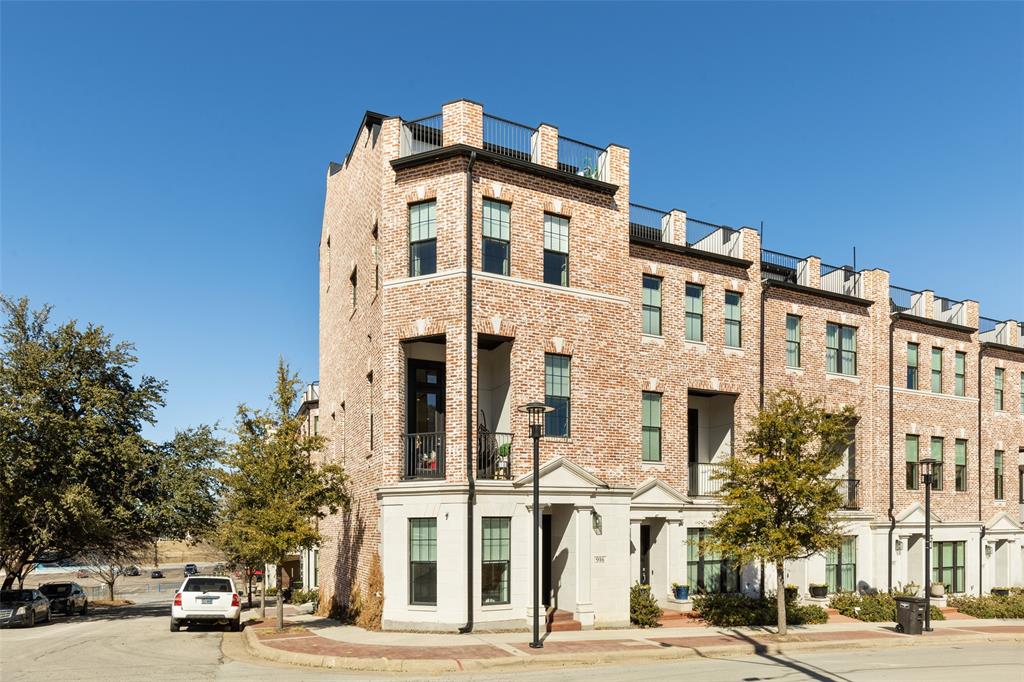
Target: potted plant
[1001, 591]
[680, 592]
[792, 591]
[938, 589]
[819, 590]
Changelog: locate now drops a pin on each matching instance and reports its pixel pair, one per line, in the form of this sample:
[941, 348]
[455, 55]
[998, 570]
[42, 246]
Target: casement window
[937, 467]
[495, 571]
[354, 281]
[948, 561]
[841, 566]
[912, 365]
[556, 250]
[316, 425]
[998, 475]
[913, 472]
[792, 340]
[651, 427]
[706, 570]
[423, 561]
[422, 238]
[694, 312]
[999, 388]
[733, 319]
[652, 305]
[936, 370]
[497, 231]
[840, 349]
[557, 384]
[960, 373]
[1022, 392]
[961, 465]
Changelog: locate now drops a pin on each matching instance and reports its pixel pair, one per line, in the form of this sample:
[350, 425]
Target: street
[134, 642]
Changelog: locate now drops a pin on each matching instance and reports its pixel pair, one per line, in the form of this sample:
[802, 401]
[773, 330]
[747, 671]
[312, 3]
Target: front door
[545, 561]
[645, 554]
[426, 397]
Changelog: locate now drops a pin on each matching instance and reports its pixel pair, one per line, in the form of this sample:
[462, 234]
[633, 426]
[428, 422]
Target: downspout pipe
[892, 500]
[981, 521]
[471, 495]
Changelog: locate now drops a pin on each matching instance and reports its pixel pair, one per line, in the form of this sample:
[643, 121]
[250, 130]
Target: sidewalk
[318, 642]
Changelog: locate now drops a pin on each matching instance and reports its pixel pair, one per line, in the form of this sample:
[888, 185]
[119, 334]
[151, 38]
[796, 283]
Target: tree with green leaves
[274, 492]
[779, 497]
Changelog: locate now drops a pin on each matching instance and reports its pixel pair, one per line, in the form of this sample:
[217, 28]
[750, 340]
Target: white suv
[206, 599]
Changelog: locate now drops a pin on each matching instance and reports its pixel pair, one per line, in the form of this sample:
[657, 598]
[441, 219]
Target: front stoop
[679, 619]
[558, 620]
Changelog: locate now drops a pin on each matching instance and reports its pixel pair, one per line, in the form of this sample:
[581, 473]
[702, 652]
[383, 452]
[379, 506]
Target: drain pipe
[471, 495]
[981, 522]
[892, 502]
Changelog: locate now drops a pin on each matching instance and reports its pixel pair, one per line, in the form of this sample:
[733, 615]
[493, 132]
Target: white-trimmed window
[422, 238]
[556, 249]
[497, 231]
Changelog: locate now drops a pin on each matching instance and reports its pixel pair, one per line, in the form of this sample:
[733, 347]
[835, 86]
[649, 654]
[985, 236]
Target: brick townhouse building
[469, 264]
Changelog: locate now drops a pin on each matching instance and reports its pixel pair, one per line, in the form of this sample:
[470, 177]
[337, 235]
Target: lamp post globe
[536, 414]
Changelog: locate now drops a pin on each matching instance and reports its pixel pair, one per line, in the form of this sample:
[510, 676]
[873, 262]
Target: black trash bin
[910, 615]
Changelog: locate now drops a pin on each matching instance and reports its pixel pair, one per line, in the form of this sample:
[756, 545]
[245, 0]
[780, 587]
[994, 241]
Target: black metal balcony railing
[508, 138]
[422, 135]
[646, 222]
[424, 455]
[494, 456]
[704, 479]
[901, 299]
[580, 158]
[987, 324]
[840, 279]
[705, 236]
[780, 267]
[849, 489]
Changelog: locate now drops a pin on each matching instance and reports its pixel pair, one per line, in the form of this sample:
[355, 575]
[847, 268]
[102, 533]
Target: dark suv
[68, 598]
[191, 569]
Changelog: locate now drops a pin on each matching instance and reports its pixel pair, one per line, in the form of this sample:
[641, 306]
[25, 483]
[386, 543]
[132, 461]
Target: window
[423, 561]
[912, 467]
[354, 281]
[652, 305]
[841, 566]
[497, 230]
[912, 365]
[707, 571]
[369, 381]
[1022, 392]
[937, 467]
[694, 312]
[948, 565]
[999, 388]
[556, 250]
[960, 370]
[376, 258]
[961, 465]
[936, 370]
[651, 427]
[422, 239]
[316, 424]
[556, 394]
[792, 341]
[998, 470]
[495, 575]
[733, 319]
[841, 349]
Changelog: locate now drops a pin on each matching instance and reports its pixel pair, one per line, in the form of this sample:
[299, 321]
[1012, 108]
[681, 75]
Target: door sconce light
[899, 545]
[595, 521]
[988, 549]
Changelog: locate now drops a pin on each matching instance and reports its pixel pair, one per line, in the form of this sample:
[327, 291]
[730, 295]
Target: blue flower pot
[682, 592]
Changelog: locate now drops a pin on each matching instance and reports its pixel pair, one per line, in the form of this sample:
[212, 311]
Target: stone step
[558, 620]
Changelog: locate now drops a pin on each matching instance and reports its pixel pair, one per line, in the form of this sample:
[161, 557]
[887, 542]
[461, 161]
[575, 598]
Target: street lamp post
[927, 468]
[535, 412]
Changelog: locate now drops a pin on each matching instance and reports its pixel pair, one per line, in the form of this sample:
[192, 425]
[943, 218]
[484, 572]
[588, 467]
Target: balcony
[647, 223]
[718, 239]
[494, 456]
[704, 481]
[841, 279]
[779, 267]
[849, 489]
[511, 139]
[422, 135]
[424, 455]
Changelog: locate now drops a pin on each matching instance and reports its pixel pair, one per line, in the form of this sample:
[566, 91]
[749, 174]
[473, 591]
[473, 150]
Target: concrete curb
[260, 650]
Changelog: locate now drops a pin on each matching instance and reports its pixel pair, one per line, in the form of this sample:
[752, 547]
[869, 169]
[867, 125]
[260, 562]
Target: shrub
[271, 591]
[305, 596]
[733, 610]
[991, 606]
[643, 607]
[872, 608]
[371, 609]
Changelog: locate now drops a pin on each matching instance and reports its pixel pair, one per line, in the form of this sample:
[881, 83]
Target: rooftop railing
[840, 279]
[422, 135]
[779, 267]
[580, 158]
[948, 310]
[712, 238]
[511, 139]
[987, 324]
[646, 222]
[901, 300]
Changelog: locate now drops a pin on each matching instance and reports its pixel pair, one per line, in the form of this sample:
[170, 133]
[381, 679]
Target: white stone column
[675, 566]
[584, 560]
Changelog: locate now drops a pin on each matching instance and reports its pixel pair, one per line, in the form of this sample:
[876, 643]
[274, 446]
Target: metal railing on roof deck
[987, 324]
[948, 310]
[780, 267]
[840, 279]
[509, 138]
[646, 222]
[1020, 334]
[704, 236]
[580, 158]
[422, 135]
[900, 299]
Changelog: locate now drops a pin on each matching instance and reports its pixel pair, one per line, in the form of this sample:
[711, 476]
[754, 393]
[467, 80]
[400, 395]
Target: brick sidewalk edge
[447, 665]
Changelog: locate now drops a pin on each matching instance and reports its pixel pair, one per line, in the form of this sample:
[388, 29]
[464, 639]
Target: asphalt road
[135, 643]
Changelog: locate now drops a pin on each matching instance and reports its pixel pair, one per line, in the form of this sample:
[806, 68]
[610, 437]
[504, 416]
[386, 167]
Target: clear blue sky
[163, 164]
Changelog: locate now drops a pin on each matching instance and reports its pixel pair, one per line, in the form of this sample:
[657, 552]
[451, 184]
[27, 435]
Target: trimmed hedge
[990, 606]
[871, 608]
[732, 610]
[305, 596]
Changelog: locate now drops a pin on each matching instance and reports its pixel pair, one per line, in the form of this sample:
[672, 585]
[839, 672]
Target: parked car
[156, 574]
[206, 599]
[23, 607]
[67, 598]
[191, 569]
[130, 570]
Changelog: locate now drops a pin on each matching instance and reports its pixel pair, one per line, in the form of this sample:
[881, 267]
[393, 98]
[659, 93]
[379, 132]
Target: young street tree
[779, 497]
[274, 491]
